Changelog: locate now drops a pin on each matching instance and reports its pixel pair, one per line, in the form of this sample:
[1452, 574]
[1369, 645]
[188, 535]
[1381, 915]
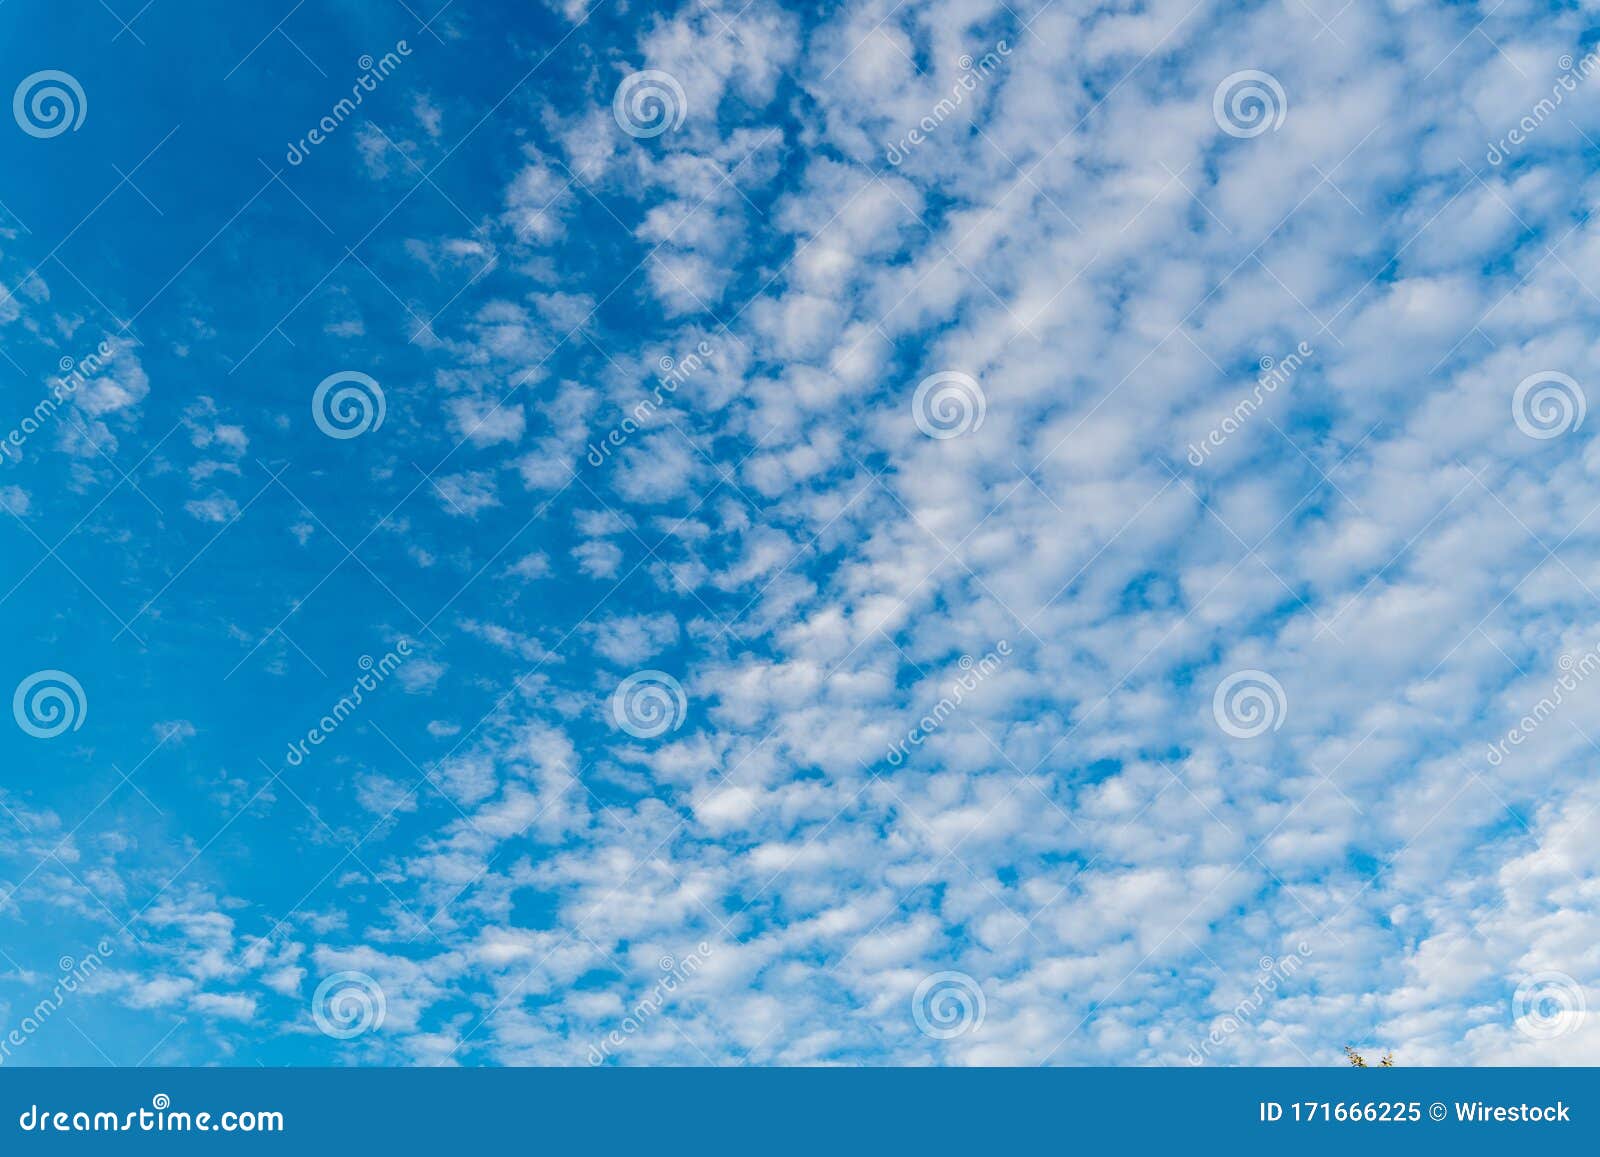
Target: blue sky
[951, 533]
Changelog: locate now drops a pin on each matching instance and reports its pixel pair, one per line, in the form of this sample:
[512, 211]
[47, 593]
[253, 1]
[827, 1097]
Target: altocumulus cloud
[948, 413]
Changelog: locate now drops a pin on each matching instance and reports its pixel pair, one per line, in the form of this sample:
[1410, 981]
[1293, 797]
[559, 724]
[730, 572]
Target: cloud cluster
[1098, 261]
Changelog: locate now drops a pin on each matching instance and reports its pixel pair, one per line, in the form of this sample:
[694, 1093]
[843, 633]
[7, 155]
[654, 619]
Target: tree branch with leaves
[1360, 1062]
